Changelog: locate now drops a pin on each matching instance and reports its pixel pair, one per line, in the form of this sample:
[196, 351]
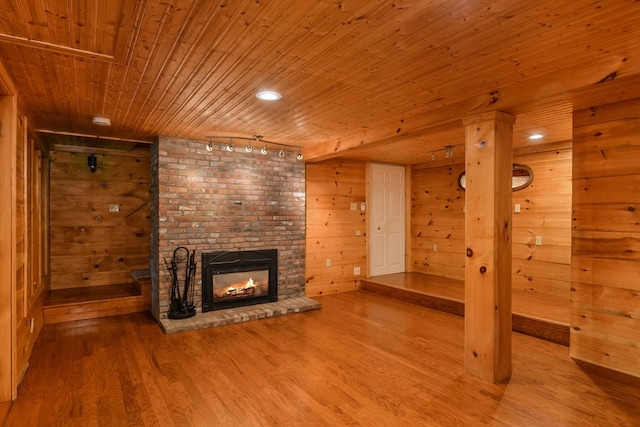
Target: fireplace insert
[234, 279]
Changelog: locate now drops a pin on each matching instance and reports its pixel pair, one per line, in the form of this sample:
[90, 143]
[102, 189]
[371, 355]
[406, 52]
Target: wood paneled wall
[8, 120]
[545, 211]
[31, 270]
[332, 187]
[23, 268]
[605, 297]
[437, 222]
[91, 246]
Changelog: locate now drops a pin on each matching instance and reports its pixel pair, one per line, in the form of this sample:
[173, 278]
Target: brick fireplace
[215, 201]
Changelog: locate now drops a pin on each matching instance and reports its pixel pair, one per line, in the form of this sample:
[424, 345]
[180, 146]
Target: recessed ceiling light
[535, 136]
[267, 95]
[101, 121]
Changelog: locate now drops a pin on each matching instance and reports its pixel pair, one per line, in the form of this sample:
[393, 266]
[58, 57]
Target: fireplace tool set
[182, 270]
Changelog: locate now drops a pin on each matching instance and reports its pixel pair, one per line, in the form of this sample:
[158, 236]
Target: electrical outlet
[538, 240]
[356, 271]
[114, 207]
[328, 262]
[358, 233]
[435, 247]
[354, 206]
[516, 208]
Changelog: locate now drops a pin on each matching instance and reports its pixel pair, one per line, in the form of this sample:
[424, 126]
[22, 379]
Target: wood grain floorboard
[361, 360]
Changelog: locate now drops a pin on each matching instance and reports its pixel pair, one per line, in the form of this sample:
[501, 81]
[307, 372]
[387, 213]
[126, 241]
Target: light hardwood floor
[361, 360]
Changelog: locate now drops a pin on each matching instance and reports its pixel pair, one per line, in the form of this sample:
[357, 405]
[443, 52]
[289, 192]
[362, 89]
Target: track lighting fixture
[257, 139]
[448, 152]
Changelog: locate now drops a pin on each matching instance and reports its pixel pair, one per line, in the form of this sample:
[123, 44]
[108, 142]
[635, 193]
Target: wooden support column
[488, 170]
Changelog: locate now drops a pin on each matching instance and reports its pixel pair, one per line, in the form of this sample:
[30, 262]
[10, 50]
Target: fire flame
[248, 288]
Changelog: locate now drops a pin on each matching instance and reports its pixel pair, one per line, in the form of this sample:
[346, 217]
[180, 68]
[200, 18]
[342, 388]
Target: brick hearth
[240, 314]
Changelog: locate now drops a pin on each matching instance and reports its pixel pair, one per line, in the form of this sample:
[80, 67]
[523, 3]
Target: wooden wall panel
[8, 117]
[91, 246]
[438, 219]
[605, 297]
[20, 216]
[545, 212]
[20, 180]
[29, 323]
[332, 186]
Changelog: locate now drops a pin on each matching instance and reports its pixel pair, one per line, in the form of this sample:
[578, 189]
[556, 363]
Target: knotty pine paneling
[21, 221]
[91, 246]
[437, 219]
[605, 296]
[155, 67]
[20, 183]
[545, 210]
[332, 186]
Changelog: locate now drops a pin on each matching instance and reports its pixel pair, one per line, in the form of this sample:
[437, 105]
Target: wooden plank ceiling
[378, 80]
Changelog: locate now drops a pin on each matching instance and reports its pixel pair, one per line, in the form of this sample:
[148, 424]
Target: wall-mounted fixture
[92, 161]
[521, 177]
[228, 145]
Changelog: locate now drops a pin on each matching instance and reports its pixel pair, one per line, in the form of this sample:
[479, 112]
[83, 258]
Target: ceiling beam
[55, 48]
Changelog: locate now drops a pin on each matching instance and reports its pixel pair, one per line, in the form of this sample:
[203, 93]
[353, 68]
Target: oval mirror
[521, 177]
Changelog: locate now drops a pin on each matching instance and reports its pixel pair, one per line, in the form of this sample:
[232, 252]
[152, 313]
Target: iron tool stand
[182, 270]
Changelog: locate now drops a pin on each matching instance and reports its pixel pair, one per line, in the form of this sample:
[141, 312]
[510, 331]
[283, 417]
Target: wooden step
[64, 305]
[448, 295]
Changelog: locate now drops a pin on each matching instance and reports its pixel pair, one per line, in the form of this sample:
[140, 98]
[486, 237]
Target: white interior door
[386, 219]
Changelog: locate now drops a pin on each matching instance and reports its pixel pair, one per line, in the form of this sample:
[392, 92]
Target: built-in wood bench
[63, 305]
[540, 316]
